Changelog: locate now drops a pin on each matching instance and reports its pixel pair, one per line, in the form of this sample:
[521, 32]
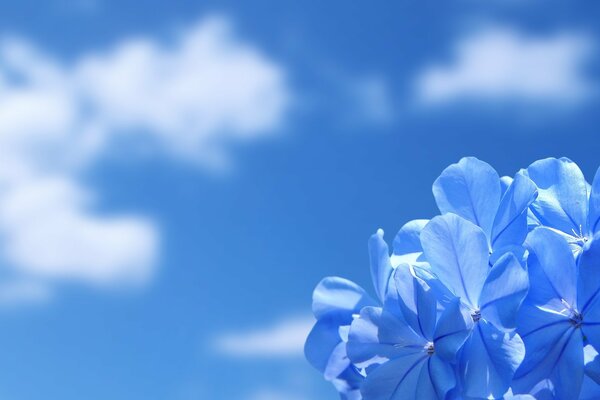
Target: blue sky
[176, 178]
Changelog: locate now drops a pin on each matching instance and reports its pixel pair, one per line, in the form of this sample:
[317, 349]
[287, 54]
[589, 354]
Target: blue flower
[458, 254]
[406, 347]
[566, 203]
[335, 303]
[454, 316]
[473, 190]
[561, 313]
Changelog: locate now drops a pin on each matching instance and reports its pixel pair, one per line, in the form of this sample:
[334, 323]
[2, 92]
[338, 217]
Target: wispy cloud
[283, 339]
[504, 64]
[187, 98]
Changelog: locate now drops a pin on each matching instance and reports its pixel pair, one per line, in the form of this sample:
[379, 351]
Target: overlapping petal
[339, 298]
[471, 189]
[407, 243]
[552, 268]
[562, 202]
[377, 336]
[452, 330]
[489, 361]
[381, 266]
[413, 300]
[458, 254]
[510, 223]
[503, 292]
[594, 205]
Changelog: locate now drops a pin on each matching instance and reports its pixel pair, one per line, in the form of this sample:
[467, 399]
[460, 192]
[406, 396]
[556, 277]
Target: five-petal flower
[406, 346]
[561, 313]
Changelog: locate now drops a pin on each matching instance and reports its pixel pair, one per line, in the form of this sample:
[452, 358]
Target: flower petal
[436, 379]
[321, 345]
[339, 298]
[503, 292]
[377, 336]
[381, 267]
[594, 211]
[407, 243]
[562, 202]
[562, 365]
[452, 330]
[510, 223]
[489, 360]
[396, 379]
[588, 286]
[348, 384]
[458, 253]
[413, 300]
[552, 268]
[471, 189]
[540, 330]
[590, 390]
[592, 363]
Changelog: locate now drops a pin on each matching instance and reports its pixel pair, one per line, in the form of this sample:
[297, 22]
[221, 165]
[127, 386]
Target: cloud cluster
[505, 64]
[187, 98]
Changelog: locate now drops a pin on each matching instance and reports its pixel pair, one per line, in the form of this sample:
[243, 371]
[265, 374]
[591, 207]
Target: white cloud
[282, 340]
[188, 98]
[504, 64]
[193, 96]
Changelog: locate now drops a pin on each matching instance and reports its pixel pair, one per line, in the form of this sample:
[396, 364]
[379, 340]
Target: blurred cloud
[269, 394]
[504, 64]
[284, 339]
[188, 98]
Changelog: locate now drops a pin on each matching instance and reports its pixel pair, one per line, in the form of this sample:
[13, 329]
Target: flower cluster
[496, 298]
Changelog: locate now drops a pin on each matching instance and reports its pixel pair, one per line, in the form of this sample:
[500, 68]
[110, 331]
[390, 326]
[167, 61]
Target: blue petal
[396, 379]
[471, 189]
[592, 363]
[594, 212]
[339, 298]
[407, 243]
[543, 390]
[562, 202]
[348, 384]
[321, 345]
[562, 364]
[458, 253]
[443, 294]
[590, 390]
[452, 330]
[540, 330]
[505, 183]
[489, 360]
[381, 267]
[510, 223]
[413, 300]
[503, 292]
[436, 379]
[552, 269]
[377, 336]
[588, 288]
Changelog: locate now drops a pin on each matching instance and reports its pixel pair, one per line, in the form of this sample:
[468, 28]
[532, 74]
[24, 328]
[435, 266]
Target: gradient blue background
[244, 249]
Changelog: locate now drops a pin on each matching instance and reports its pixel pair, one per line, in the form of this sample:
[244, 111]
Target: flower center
[576, 319]
[429, 349]
[476, 315]
[580, 238]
